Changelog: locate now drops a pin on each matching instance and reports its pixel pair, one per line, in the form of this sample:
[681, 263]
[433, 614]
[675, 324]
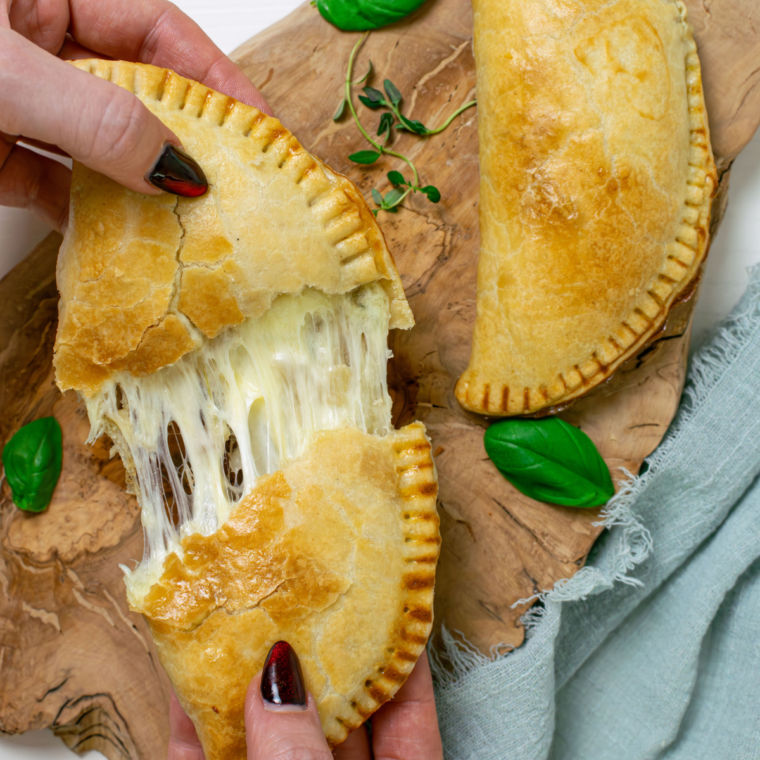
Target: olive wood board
[72, 656]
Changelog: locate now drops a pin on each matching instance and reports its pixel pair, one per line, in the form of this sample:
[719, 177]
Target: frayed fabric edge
[632, 542]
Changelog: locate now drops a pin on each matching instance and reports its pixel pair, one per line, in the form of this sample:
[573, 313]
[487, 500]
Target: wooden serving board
[72, 656]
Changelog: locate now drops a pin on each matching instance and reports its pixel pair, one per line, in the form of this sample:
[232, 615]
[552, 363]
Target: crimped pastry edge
[331, 197]
[686, 255]
[418, 487]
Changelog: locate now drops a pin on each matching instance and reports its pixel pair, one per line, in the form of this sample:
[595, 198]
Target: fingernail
[282, 686]
[179, 174]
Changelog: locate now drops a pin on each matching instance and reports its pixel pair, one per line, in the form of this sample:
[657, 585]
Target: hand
[406, 727]
[45, 101]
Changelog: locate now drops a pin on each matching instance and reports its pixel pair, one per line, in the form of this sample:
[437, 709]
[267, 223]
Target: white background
[230, 23]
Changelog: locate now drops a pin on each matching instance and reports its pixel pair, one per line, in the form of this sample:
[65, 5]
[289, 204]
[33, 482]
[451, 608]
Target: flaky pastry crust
[144, 279]
[335, 554]
[596, 182]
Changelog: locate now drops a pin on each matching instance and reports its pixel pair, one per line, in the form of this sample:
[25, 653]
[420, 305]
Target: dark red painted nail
[282, 679]
[179, 174]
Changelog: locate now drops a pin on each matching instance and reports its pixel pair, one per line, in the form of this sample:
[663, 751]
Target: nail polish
[179, 174]
[282, 685]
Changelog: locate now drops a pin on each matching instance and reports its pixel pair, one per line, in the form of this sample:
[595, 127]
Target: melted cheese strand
[244, 404]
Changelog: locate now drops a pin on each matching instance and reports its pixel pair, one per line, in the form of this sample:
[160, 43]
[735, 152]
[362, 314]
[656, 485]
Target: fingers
[44, 22]
[281, 720]
[183, 739]
[34, 182]
[356, 747]
[96, 122]
[407, 727]
[148, 31]
[157, 32]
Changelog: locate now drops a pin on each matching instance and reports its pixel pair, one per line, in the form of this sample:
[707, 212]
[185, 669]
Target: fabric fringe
[632, 541]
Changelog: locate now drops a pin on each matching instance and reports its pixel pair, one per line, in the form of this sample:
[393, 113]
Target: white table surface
[230, 23]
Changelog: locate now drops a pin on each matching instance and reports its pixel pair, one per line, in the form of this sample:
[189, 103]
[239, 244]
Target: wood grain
[71, 655]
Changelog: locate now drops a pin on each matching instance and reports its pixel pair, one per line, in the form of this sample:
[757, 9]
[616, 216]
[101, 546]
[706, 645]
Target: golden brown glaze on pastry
[336, 554]
[144, 279]
[234, 347]
[596, 180]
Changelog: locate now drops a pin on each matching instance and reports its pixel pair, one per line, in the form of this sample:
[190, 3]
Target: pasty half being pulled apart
[596, 181]
[234, 347]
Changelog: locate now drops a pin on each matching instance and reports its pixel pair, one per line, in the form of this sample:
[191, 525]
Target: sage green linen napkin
[653, 649]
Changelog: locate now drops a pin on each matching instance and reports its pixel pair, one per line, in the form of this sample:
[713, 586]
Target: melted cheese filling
[198, 434]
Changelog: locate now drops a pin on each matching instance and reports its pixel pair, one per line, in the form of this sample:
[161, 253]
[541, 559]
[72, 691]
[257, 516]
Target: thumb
[104, 126]
[281, 719]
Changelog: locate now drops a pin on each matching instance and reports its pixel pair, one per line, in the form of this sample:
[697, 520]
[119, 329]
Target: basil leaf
[364, 157]
[363, 15]
[392, 92]
[433, 193]
[32, 461]
[377, 196]
[396, 178]
[550, 461]
[374, 95]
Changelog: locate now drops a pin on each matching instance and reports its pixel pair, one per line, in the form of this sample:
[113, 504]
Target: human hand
[47, 102]
[406, 727]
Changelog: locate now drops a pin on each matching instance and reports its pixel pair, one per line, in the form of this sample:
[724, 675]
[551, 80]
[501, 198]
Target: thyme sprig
[391, 118]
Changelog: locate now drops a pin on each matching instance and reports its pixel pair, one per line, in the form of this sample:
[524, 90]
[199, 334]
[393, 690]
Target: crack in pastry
[234, 347]
[596, 183]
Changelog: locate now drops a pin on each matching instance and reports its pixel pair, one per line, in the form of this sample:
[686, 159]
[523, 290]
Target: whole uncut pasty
[596, 181]
[234, 347]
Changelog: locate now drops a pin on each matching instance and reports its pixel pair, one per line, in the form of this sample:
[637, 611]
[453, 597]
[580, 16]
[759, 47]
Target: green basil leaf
[392, 92]
[394, 196]
[550, 461]
[32, 461]
[363, 15]
[433, 193]
[386, 122]
[341, 109]
[374, 95]
[364, 157]
[396, 178]
[377, 196]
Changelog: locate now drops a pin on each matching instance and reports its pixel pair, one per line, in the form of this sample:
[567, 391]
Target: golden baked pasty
[234, 347]
[596, 181]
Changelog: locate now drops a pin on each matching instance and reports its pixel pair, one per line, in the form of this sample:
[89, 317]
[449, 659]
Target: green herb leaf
[32, 461]
[364, 157]
[433, 193]
[374, 95]
[412, 125]
[392, 92]
[394, 196]
[369, 103]
[550, 461]
[366, 76]
[386, 122]
[377, 196]
[341, 110]
[396, 178]
[363, 15]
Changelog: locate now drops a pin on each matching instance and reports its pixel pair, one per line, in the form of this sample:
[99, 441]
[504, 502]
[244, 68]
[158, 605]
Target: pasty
[596, 181]
[234, 347]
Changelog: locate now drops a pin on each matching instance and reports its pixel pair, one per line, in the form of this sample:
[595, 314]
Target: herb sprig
[392, 118]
